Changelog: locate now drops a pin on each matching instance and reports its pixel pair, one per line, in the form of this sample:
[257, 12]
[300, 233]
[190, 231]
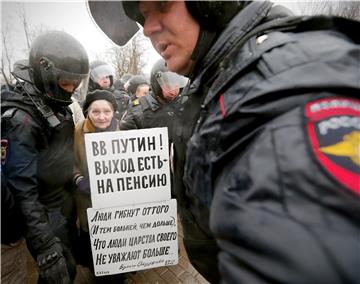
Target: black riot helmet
[55, 57]
[214, 15]
[135, 82]
[211, 15]
[100, 69]
[163, 80]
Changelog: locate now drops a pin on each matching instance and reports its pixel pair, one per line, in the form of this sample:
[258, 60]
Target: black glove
[83, 184]
[52, 264]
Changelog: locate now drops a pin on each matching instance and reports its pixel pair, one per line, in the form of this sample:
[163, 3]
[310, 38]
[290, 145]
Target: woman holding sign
[99, 109]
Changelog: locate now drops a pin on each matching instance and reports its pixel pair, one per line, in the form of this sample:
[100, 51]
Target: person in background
[125, 80]
[99, 107]
[157, 109]
[266, 171]
[118, 85]
[122, 83]
[137, 87]
[102, 78]
[37, 132]
[122, 98]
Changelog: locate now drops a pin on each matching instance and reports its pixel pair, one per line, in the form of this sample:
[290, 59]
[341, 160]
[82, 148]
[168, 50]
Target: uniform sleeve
[79, 150]
[278, 216]
[20, 167]
[132, 118]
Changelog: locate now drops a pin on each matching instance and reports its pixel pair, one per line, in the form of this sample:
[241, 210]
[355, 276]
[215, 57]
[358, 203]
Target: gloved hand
[52, 264]
[82, 199]
[82, 183]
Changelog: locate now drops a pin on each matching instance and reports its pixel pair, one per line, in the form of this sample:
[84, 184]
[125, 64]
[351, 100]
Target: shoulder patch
[136, 102]
[333, 128]
[4, 150]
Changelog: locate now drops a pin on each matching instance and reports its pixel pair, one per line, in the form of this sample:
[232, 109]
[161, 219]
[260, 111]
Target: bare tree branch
[346, 9]
[6, 58]
[128, 59]
[23, 18]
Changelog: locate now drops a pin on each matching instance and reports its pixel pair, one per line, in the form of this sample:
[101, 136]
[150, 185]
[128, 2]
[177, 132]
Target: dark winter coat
[268, 194]
[148, 112]
[123, 99]
[37, 163]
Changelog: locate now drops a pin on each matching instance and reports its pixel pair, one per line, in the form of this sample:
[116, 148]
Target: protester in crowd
[156, 109]
[37, 151]
[102, 78]
[265, 167]
[100, 107]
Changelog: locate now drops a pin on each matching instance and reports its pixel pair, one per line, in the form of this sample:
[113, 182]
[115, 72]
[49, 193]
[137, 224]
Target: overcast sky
[70, 15]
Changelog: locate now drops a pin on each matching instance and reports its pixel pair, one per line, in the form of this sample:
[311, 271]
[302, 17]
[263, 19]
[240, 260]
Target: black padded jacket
[266, 174]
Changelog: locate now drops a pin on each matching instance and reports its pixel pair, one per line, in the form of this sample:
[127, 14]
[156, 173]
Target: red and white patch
[4, 150]
[333, 126]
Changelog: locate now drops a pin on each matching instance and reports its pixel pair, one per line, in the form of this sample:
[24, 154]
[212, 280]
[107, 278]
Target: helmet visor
[100, 72]
[170, 80]
[68, 77]
[59, 85]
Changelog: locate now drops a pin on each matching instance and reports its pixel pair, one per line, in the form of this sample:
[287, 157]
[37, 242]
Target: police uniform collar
[241, 24]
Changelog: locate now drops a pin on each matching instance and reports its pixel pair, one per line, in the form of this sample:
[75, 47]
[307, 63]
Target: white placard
[128, 167]
[131, 238]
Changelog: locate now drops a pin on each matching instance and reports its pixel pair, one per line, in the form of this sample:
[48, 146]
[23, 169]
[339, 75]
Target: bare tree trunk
[26, 27]
[127, 59]
[6, 57]
[346, 9]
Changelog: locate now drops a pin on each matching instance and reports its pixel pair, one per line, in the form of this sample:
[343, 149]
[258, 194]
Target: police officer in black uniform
[266, 166]
[37, 150]
[137, 87]
[157, 109]
[100, 70]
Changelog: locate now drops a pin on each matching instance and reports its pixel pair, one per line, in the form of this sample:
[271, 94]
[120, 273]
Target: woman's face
[101, 113]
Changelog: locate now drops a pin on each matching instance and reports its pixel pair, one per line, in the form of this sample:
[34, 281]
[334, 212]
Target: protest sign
[128, 167]
[135, 237]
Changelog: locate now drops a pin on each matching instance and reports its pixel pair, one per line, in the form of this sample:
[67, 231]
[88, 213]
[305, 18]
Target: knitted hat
[99, 95]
